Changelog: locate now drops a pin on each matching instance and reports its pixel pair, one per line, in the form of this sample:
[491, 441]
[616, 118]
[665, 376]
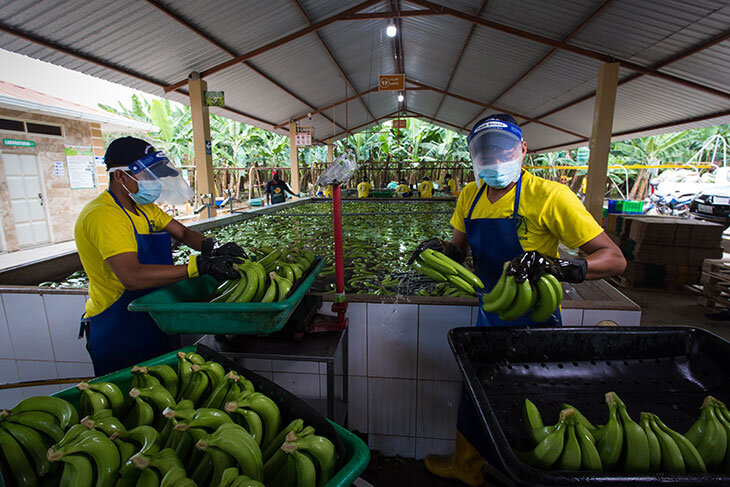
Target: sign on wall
[58, 168]
[304, 136]
[18, 143]
[214, 99]
[399, 123]
[81, 170]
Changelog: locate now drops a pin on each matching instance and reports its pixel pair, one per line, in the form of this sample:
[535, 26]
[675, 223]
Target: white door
[27, 199]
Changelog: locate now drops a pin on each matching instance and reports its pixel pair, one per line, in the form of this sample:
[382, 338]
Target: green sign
[214, 99]
[19, 143]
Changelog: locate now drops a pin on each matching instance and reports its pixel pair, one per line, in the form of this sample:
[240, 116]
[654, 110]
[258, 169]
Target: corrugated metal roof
[134, 43]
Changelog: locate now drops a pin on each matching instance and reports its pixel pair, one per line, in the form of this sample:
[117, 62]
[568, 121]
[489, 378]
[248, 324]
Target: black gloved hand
[450, 250]
[220, 267]
[209, 247]
[533, 264]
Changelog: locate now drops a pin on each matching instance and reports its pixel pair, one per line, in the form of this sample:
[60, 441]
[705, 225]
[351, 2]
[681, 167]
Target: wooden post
[201, 137]
[600, 143]
[330, 151]
[294, 157]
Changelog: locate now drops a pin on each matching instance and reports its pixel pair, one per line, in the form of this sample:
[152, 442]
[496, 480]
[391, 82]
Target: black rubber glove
[533, 264]
[209, 247]
[220, 267]
[450, 250]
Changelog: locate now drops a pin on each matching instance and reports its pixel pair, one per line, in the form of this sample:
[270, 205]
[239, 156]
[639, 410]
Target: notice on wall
[81, 170]
[58, 168]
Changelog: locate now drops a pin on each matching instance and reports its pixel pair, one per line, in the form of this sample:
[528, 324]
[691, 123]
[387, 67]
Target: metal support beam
[279, 42]
[201, 139]
[293, 157]
[600, 144]
[564, 46]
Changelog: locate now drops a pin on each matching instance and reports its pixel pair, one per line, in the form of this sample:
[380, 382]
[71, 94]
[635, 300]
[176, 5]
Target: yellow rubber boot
[465, 464]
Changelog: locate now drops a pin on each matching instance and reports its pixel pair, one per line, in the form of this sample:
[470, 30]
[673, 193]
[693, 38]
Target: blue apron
[117, 338]
[493, 241]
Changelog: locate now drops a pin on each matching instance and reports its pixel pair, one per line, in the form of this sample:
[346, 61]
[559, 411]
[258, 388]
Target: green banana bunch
[206, 418]
[306, 472]
[100, 395]
[251, 421]
[40, 421]
[63, 411]
[655, 449]
[33, 442]
[176, 477]
[636, 444]
[140, 413]
[276, 442]
[145, 439]
[106, 423]
[196, 386]
[163, 461]
[229, 386]
[264, 407]
[549, 450]
[589, 458]
[611, 435]
[692, 459]
[165, 374]
[319, 448]
[77, 471]
[710, 437]
[439, 267]
[571, 457]
[96, 445]
[238, 443]
[533, 421]
[17, 463]
[283, 285]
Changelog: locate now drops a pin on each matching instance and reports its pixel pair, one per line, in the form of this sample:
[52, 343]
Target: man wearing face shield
[508, 214]
[124, 242]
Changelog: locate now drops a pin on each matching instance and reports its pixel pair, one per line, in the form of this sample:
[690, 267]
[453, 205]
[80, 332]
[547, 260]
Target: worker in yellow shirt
[507, 214]
[425, 188]
[328, 191]
[449, 184]
[363, 189]
[124, 242]
[402, 190]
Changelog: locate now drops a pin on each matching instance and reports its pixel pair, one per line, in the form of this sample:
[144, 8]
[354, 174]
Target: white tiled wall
[38, 340]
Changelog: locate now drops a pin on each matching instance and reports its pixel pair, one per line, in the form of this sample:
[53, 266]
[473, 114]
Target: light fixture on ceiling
[391, 30]
[400, 98]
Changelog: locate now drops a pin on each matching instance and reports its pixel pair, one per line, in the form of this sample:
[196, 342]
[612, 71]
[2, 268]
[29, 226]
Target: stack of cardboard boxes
[664, 251]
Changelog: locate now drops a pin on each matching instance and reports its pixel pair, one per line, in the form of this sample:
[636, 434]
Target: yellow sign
[392, 82]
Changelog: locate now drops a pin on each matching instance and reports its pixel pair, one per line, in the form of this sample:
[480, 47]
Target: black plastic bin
[667, 371]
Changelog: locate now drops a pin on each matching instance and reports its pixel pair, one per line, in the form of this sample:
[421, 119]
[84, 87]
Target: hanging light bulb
[391, 30]
[400, 97]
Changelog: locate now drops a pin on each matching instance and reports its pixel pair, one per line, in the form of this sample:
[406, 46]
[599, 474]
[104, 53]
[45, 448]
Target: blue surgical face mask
[147, 192]
[502, 175]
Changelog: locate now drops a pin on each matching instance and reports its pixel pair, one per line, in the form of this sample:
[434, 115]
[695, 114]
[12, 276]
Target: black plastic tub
[667, 371]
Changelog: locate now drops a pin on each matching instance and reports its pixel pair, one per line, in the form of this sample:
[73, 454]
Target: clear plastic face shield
[159, 180]
[496, 151]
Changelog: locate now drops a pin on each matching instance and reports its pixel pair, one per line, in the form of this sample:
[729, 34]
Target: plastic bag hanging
[340, 171]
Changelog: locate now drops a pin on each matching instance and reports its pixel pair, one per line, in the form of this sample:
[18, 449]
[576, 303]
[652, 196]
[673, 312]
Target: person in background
[124, 242]
[449, 184]
[363, 189]
[425, 188]
[402, 190]
[508, 214]
[276, 189]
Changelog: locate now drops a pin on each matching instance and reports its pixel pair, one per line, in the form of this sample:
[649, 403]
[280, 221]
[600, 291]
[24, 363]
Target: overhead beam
[494, 107]
[390, 115]
[391, 15]
[458, 59]
[667, 61]
[547, 56]
[332, 58]
[564, 46]
[107, 65]
[658, 126]
[208, 38]
[279, 42]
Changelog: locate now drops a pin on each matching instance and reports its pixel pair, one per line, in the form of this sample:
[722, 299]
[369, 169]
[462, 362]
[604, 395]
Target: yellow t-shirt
[328, 191]
[363, 189]
[402, 190]
[451, 185]
[425, 188]
[549, 213]
[102, 230]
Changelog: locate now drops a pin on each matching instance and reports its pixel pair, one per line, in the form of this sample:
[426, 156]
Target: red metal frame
[340, 304]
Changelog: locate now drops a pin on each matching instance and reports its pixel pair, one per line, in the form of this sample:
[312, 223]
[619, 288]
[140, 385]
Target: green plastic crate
[356, 453]
[183, 308]
[383, 193]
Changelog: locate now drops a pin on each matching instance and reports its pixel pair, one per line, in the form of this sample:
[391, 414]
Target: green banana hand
[671, 455]
[430, 258]
[78, 471]
[547, 302]
[655, 450]
[166, 375]
[428, 271]
[40, 421]
[521, 304]
[33, 443]
[111, 391]
[306, 473]
[636, 458]
[64, 411]
[589, 458]
[505, 298]
[102, 451]
[547, 452]
[570, 459]
[610, 445]
[319, 448]
[276, 442]
[692, 459]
